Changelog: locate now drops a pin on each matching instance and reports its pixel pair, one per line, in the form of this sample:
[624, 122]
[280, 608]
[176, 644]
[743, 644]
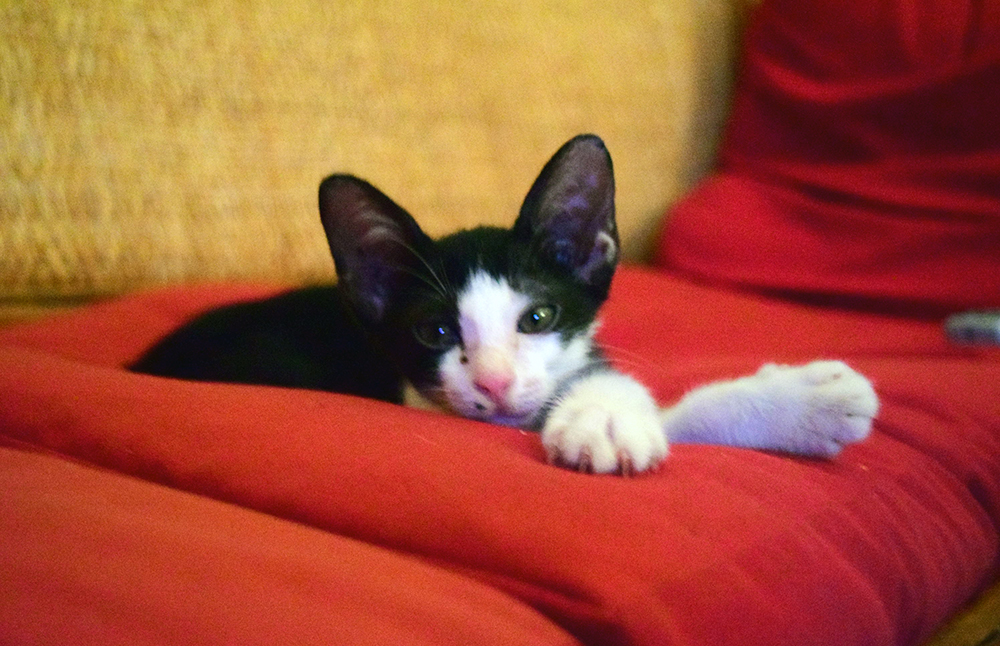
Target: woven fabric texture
[147, 142]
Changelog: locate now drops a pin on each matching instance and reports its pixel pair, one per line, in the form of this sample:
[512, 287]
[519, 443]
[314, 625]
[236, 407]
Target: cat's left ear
[569, 214]
[376, 245]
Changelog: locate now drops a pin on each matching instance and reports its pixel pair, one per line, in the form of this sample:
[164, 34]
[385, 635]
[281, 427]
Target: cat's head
[487, 323]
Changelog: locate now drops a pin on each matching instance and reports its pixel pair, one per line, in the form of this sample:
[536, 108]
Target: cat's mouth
[522, 420]
[523, 416]
[510, 420]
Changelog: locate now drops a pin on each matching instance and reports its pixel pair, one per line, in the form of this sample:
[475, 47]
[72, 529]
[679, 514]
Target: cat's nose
[494, 385]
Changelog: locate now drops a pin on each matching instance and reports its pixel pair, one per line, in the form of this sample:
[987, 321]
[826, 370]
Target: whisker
[628, 359]
[448, 286]
[624, 355]
[441, 289]
[621, 350]
[629, 363]
[420, 276]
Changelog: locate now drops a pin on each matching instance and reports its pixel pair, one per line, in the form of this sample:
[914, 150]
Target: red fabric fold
[862, 159]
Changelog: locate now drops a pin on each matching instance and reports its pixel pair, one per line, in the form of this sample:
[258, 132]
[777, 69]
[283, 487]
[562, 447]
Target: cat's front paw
[606, 423]
[835, 405]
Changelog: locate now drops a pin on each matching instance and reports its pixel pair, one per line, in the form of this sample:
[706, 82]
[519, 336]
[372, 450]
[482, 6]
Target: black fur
[294, 339]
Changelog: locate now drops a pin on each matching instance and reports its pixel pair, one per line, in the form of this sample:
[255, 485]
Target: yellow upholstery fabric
[148, 142]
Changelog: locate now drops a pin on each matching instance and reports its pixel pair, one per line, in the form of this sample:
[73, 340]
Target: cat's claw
[586, 464]
[607, 423]
[625, 466]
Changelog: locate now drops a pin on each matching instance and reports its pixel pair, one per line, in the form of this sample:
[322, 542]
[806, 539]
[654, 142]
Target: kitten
[498, 325]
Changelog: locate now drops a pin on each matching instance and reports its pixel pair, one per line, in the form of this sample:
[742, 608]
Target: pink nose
[494, 385]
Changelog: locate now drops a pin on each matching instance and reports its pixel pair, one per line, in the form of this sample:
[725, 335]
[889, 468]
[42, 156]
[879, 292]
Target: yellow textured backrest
[148, 142]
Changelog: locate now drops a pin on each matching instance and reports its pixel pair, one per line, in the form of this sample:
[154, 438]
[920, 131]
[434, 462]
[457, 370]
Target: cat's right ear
[373, 240]
[569, 214]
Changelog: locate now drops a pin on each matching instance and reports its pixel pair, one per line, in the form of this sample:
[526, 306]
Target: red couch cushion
[862, 160]
[94, 557]
[720, 545]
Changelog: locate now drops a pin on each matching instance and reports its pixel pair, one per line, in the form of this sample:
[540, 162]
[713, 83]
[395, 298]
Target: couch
[795, 180]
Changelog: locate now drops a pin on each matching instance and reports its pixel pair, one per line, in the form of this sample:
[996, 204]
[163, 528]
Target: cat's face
[488, 332]
[487, 323]
[506, 351]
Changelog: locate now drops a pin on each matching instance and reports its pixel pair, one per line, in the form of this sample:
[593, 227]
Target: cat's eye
[538, 319]
[436, 334]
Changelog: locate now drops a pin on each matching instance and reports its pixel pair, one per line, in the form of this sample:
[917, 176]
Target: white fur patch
[814, 410]
[606, 422]
[495, 352]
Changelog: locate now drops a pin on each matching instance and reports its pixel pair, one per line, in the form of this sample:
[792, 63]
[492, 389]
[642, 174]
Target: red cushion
[862, 161]
[719, 546]
[94, 557]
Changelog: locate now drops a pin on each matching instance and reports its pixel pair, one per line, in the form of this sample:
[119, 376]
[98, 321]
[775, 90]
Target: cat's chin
[522, 421]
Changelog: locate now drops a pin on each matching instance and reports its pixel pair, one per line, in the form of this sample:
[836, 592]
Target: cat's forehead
[483, 288]
[464, 253]
[489, 307]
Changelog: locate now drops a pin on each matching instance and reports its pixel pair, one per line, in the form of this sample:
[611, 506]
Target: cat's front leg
[815, 410]
[606, 422]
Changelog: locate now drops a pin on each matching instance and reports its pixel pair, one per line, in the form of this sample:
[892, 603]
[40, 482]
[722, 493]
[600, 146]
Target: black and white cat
[498, 325]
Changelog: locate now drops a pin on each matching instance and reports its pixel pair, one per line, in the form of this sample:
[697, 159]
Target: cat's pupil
[541, 318]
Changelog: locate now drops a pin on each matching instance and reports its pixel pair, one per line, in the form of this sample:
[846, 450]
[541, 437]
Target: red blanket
[862, 161]
[411, 527]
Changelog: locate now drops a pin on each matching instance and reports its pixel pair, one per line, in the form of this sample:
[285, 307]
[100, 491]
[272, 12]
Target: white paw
[606, 423]
[819, 408]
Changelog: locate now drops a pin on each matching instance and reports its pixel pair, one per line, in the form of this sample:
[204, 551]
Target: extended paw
[607, 423]
[834, 405]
